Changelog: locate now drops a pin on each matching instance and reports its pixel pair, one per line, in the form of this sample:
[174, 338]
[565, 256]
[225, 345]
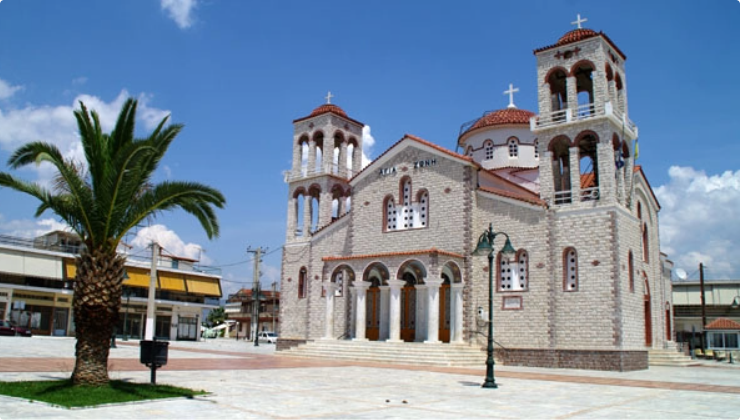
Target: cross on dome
[510, 92]
[579, 21]
[328, 98]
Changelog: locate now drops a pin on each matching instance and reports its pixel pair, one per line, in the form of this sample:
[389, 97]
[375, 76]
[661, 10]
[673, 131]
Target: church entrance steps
[659, 357]
[443, 354]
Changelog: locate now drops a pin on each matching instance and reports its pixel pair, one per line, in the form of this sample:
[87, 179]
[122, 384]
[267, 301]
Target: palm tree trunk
[97, 301]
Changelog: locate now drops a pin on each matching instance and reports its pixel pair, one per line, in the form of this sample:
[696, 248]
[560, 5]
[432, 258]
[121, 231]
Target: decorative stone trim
[610, 360]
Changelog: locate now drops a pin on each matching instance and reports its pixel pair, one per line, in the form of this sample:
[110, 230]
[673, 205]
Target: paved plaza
[247, 382]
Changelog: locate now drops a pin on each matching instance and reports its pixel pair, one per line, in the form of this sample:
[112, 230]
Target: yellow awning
[137, 277]
[203, 286]
[169, 281]
[70, 269]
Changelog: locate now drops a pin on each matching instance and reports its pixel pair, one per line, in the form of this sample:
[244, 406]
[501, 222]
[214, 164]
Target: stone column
[297, 159]
[575, 174]
[311, 162]
[342, 164]
[572, 93]
[360, 289]
[329, 288]
[395, 310]
[384, 312]
[324, 208]
[292, 218]
[307, 215]
[456, 307]
[356, 159]
[422, 297]
[433, 311]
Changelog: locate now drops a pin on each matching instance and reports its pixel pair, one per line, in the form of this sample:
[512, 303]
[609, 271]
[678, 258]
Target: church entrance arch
[377, 275]
[450, 274]
[412, 302]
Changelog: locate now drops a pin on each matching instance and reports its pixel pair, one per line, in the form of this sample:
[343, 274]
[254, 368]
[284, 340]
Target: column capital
[330, 286]
[434, 282]
[396, 283]
[457, 286]
[361, 285]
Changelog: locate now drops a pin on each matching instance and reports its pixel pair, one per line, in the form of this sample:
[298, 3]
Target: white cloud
[28, 228]
[367, 145]
[6, 90]
[700, 221]
[169, 241]
[180, 11]
[57, 125]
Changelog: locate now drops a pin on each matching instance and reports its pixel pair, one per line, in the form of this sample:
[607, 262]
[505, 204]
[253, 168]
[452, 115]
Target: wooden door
[444, 313]
[372, 314]
[408, 313]
[648, 324]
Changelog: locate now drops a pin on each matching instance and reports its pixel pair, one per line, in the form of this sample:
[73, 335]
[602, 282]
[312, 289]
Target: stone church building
[384, 253]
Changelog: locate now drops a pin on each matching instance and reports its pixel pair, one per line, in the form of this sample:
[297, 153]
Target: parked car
[268, 336]
[8, 328]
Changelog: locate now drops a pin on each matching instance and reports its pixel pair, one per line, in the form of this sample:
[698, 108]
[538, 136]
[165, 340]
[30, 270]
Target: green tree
[101, 201]
[216, 316]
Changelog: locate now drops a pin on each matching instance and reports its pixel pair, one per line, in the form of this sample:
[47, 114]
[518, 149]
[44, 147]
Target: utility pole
[150, 308]
[274, 297]
[703, 308]
[256, 291]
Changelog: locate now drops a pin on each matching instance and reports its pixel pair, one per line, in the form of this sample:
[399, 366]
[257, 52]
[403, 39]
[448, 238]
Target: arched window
[513, 148]
[421, 215]
[302, 283]
[413, 212]
[631, 268]
[570, 270]
[558, 93]
[488, 145]
[513, 274]
[389, 207]
[645, 243]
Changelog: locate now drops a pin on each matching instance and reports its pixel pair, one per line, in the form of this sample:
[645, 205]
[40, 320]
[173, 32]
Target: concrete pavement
[251, 383]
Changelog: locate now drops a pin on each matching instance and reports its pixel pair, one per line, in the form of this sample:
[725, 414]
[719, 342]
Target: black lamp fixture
[485, 247]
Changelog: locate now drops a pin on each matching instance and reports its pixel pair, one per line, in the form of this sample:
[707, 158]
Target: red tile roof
[723, 324]
[508, 116]
[328, 108]
[422, 141]
[394, 254]
[527, 198]
[580, 34]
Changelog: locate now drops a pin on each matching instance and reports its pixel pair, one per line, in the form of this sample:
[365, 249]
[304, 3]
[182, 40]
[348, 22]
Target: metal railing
[581, 112]
[333, 169]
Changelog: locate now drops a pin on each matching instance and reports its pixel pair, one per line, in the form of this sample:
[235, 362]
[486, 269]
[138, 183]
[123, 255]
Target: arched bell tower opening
[560, 152]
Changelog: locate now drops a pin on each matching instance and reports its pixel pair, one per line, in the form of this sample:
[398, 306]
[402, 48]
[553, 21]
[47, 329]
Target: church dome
[576, 35]
[506, 116]
[323, 109]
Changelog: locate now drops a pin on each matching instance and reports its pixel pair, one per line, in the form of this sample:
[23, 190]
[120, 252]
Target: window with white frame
[513, 148]
[412, 213]
[513, 273]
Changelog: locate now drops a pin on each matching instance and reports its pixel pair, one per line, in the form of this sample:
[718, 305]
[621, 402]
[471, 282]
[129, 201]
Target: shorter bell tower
[327, 152]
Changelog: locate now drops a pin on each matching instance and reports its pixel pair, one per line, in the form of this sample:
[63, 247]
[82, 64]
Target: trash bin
[152, 352]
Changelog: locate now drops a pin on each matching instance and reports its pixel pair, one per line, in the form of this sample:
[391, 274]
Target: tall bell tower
[327, 152]
[585, 134]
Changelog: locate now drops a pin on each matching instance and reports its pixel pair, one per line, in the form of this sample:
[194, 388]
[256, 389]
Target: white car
[268, 336]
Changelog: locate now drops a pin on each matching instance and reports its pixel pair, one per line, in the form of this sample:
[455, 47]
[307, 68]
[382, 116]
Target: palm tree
[101, 204]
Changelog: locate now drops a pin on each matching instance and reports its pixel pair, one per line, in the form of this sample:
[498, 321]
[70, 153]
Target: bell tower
[327, 152]
[583, 126]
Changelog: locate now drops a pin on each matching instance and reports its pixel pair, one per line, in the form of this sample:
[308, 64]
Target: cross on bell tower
[328, 98]
[579, 21]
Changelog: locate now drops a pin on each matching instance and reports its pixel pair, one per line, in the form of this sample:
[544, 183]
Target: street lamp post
[485, 247]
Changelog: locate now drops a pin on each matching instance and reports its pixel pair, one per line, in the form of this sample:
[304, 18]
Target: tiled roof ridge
[331, 223]
[329, 108]
[512, 183]
[508, 194]
[499, 117]
[394, 254]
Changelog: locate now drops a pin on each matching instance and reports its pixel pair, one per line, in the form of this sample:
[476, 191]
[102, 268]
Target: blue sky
[237, 74]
